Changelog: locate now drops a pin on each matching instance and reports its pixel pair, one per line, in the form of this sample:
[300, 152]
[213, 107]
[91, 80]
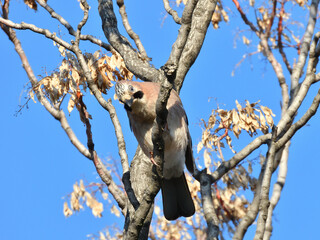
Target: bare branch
[237, 158]
[297, 70]
[300, 123]
[245, 19]
[132, 34]
[107, 105]
[59, 114]
[139, 67]
[172, 12]
[207, 205]
[301, 93]
[70, 29]
[277, 188]
[45, 32]
[280, 46]
[83, 21]
[273, 13]
[265, 188]
[278, 71]
[184, 30]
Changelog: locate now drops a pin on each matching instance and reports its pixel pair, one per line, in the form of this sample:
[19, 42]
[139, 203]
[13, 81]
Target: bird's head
[128, 93]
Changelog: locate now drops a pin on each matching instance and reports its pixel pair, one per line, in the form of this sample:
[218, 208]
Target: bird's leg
[152, 160]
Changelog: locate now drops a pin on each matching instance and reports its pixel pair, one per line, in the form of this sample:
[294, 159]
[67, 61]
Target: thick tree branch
[201, 18]
[132, 34]
[184, 30]
[139, 67]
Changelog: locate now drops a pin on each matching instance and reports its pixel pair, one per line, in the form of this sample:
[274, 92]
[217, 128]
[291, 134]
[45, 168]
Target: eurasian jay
[139, 99]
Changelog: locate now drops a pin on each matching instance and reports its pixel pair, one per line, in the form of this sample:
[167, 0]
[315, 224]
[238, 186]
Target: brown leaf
[31, 4]
[66, 210]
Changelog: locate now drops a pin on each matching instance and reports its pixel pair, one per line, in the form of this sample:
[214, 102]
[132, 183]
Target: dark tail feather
[176, 198]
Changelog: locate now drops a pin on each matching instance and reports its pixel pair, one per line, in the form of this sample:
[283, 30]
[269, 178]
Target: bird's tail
[176, 198]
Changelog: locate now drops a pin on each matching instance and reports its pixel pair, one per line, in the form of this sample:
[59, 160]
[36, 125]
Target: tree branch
[70, 29]
[277, 188]
[207, 205]
[297, 70]
[201, 18]
[184, 30]
[132, 34]
[245, 19]
[280, 46]
[300, 123]
[237, 158]
[265, 188]
[45, 32]
[172, 12]
[139, 67]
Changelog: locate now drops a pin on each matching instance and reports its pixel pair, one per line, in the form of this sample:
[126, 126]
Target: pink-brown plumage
[140, 102]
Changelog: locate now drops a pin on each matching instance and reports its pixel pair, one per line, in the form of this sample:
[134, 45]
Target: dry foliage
[251, 117]
[70, 79]
[87, 195]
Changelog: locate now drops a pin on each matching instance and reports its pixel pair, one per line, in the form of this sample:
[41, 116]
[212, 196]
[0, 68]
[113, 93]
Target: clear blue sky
[39, 165]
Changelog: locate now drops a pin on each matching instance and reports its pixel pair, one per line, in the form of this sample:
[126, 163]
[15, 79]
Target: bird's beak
[126, 99]
[128, 102]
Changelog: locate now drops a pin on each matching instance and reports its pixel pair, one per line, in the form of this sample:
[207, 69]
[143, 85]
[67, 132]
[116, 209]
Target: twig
[70, 29]
[271, 19]
[280, 45]
[172, 12]
[245, 19]
[83, 21]
[45, 32]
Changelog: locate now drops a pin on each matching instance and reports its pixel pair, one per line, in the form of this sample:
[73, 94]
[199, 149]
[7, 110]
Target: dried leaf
[66, 210]
[31, 4]
[207, 159]
[115, 211]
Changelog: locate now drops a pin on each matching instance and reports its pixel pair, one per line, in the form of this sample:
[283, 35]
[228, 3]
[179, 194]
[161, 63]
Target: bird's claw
[152, 159]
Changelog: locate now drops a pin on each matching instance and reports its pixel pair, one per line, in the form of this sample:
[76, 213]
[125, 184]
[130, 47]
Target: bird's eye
[131, 89]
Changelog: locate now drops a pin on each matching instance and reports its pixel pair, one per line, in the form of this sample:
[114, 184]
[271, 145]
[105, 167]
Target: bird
[139, 99]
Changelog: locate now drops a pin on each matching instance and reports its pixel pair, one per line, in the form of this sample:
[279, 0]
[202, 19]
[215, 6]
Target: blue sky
[39, 165]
